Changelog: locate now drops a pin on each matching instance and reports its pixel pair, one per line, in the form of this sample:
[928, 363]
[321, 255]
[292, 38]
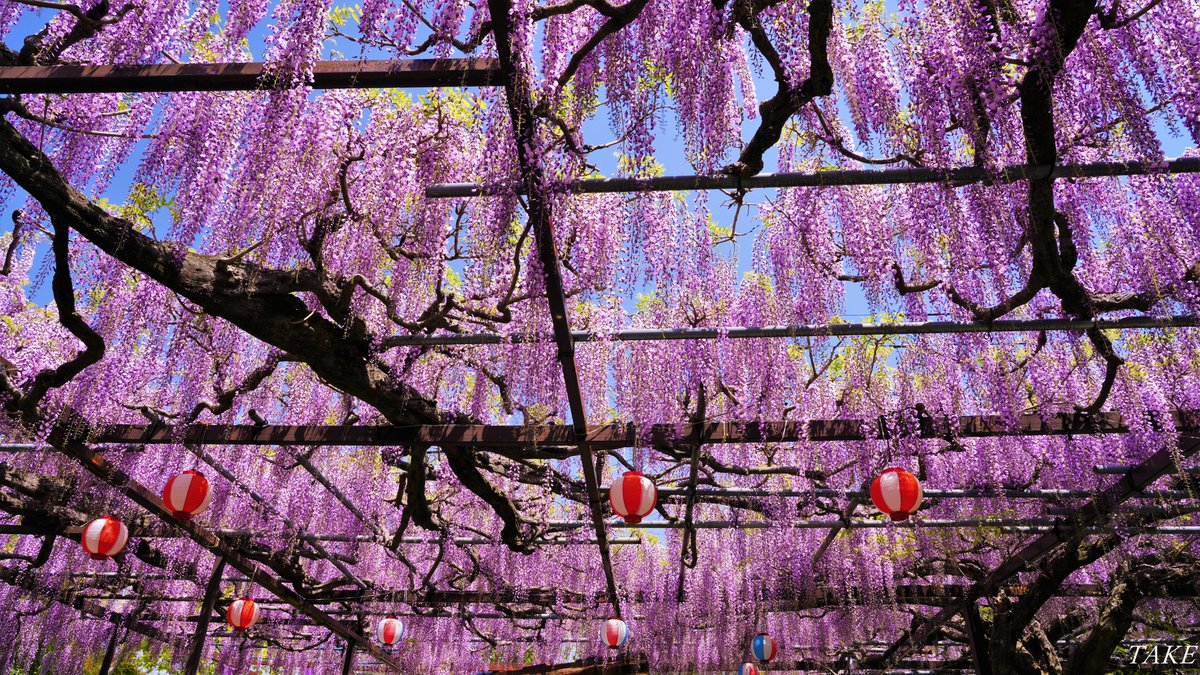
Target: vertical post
[979, 643]
[348, 664]
[106, 664]
[687, 548]
[211, 591]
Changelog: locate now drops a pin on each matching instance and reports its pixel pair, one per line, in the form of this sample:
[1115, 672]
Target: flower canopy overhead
[414, 287]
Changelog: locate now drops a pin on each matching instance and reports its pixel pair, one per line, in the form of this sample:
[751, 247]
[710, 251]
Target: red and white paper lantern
[897, 493]
[187, 494]
[242, 614]
[633, 497]
[747, 669]
[614, 633]
[390, 631]
[104, 537]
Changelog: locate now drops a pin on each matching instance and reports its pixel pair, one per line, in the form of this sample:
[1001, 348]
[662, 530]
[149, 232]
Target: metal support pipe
[669, 494]
[910, 524]
[1158, 510]
[805, 330]
[617, 435]
[24, 447]
[956, 176]
[1004, 524]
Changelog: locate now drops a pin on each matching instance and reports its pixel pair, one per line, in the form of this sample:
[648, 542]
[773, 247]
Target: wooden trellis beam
[110, 651]
[1011, 525]
[353, 614]
[168, 533]
[167, 77]
[537, 596]
[775, 600]
[980, 654]
[625, 664]
[689, 547]
[616, 436]
[211, 593]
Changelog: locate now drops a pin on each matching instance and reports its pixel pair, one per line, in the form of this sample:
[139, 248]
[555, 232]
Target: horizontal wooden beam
[614, 436]
[164, 532]
[938, 594]
[775, 600]
[167, 77]
[1007, 525]
[623, 664]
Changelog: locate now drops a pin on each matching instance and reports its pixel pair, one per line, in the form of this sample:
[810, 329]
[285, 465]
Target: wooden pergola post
[978, 640]
[211, 592]
[109, 653]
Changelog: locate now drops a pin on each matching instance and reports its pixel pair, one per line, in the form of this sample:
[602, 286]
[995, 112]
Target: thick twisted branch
[64, 298]
[789, 99]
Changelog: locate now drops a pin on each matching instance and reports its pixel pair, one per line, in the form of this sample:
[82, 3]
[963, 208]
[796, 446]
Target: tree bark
[256, 299]
[1012, 618]
[1135, 581]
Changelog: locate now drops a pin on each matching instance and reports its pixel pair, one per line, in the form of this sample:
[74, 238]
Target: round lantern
[614, 633]
[633, 497]
[187, 494]
[390, 631]
[765, 648]
[242, 614]
[747, 669]
[104, 537]
[897, 493]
